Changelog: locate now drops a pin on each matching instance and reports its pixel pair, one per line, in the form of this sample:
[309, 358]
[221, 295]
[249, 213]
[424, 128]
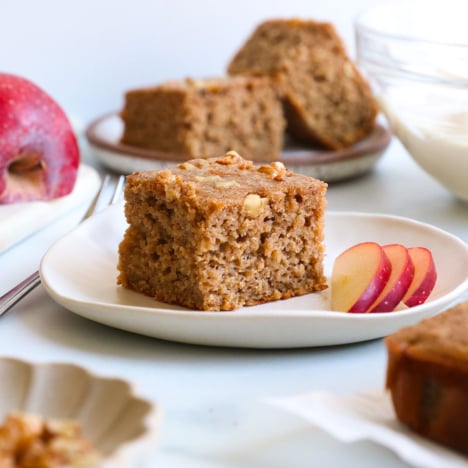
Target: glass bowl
[415, 55]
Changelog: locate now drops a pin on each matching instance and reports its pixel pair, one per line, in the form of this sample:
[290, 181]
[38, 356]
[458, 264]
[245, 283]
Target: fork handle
[13, 296]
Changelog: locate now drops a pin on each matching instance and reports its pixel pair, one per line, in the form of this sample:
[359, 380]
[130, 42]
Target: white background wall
[87, 53]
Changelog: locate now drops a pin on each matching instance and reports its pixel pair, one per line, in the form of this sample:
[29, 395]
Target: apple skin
[401, 276]
[425, 277]
[39, 155]
[359, 275]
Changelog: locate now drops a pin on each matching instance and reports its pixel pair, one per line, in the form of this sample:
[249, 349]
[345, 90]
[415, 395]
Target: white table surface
[214, 414]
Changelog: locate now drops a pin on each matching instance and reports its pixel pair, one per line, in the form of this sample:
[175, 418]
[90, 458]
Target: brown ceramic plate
[104, 135]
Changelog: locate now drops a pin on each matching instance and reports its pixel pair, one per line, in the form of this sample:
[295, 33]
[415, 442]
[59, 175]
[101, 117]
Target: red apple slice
[425, 276]
[399, 281]
[359, 275]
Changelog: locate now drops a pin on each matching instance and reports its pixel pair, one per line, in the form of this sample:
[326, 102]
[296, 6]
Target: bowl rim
[360, 25]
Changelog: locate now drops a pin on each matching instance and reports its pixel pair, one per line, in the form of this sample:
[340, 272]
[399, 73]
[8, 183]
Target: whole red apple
[39, 155]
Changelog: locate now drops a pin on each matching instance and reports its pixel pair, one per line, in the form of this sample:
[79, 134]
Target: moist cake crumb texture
[222, 233]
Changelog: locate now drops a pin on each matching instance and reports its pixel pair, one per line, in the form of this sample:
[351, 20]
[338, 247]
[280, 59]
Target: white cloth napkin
[19, 220]
[369, 415]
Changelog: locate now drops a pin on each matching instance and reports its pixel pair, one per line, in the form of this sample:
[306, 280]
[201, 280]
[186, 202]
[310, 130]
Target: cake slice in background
[326, 99]
[206, 118]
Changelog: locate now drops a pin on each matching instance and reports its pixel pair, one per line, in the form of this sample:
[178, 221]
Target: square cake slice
[222, 233]
[326, 99]
[206, 118]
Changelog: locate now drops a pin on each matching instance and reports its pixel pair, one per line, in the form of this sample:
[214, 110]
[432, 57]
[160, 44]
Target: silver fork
[22, 289]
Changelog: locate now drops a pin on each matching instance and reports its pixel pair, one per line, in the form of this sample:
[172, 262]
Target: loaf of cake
[222, 233]
[427, 376]
[206, 118]
[326, 99]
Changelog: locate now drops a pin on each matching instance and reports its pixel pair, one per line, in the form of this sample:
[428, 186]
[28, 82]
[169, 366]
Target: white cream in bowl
[433, 127]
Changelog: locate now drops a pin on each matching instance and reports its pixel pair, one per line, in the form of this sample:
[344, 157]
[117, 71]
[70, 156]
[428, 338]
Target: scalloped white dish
[331, 166]
[118, 423]
[79, 272]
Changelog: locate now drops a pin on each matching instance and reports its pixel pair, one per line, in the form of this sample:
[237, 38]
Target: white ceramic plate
[120, 424]
[79, 272]
[104, 138]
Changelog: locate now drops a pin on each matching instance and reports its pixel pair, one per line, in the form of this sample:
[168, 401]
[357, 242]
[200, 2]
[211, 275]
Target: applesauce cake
[206, 118]
[222, 233]
[427, 375]
[326, 99]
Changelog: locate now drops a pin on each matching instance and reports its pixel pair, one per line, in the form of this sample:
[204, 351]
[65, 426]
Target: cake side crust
[427, 376]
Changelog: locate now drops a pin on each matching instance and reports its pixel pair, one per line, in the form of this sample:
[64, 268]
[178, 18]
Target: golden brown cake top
[227, 179]
[443, 337]
[277, 44]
